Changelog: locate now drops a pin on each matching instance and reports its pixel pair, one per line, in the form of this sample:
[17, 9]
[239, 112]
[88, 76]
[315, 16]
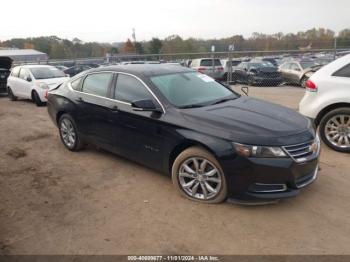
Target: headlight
[42, 85]
[259, 151]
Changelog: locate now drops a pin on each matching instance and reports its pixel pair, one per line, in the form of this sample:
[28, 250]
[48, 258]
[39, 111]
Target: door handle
[114, 109]
[80, 99]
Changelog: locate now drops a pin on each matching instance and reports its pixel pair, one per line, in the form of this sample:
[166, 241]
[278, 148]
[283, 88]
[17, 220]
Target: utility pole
[134, 35]
[231, 48]
[213, 58]
[335, 47]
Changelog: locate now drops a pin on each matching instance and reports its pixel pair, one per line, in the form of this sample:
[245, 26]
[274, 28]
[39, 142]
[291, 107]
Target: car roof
[145, 69]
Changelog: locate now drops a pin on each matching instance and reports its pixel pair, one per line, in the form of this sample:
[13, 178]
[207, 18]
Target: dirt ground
[53, 201]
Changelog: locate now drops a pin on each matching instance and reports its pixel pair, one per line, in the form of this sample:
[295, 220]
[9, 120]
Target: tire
[303, 81]
[250, 81]
[36, 99]
[216, 180]
[68, 121]
[11, 95]
[329, 129]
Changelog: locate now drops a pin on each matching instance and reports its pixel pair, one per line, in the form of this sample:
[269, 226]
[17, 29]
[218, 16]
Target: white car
[205, 66]
[32, 82]
[327, 102]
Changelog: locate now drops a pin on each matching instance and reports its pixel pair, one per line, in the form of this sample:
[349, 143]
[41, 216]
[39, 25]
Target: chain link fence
[255, 68]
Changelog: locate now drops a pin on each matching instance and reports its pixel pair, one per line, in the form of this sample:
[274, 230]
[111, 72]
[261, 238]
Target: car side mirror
[145, 105]
[29, 79]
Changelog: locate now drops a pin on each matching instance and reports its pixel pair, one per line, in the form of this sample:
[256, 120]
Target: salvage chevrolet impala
[213, 142]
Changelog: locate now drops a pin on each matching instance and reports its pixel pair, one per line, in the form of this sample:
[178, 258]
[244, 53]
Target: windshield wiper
[224, 100]
[191, 106]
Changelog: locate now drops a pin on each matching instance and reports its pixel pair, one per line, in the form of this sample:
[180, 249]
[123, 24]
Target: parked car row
[294, 70]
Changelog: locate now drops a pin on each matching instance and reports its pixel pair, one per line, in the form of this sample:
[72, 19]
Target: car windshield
[305, 65]
[233, 63]
[46, 72]
[209, 62]
[191, 89]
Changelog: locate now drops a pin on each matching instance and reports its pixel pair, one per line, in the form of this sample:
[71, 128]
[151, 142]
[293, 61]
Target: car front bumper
[264, 180]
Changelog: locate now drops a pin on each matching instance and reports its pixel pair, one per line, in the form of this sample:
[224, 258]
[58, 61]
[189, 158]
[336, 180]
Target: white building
[24, 55]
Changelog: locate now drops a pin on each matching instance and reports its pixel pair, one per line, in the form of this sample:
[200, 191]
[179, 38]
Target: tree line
[57, 48]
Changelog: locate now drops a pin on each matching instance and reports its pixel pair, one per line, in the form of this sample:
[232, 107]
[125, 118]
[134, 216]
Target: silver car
[298, 72]
[206, 66]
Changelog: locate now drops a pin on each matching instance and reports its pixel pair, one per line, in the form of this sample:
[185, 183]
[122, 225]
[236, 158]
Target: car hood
[53, 82]
[5, 62]
[251, 121]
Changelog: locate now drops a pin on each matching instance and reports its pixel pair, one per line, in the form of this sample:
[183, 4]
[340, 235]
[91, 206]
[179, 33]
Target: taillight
[311, 86]
[220, 68]
[201, 69]
[46, 94]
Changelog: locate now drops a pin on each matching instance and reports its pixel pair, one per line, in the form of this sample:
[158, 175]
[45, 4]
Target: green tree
[139, 48]
[155, 46]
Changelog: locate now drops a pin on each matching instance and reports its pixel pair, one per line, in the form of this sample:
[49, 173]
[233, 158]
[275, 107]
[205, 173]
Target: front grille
[303, 152]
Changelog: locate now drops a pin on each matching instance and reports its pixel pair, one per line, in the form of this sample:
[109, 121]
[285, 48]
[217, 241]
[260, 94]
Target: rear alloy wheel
[335, 129]
[68, 133]
[303, 81]
[11, 95]
[37, 99]
[198, 176]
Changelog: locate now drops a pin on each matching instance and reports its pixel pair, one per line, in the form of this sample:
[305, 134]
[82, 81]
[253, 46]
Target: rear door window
[286, 66]
[343, 72]
[295, 67]
[97, 84]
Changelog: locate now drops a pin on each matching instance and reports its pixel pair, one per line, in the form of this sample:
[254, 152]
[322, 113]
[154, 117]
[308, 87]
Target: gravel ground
[53, 201]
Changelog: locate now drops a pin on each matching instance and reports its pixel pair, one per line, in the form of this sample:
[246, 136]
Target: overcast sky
[113, 20]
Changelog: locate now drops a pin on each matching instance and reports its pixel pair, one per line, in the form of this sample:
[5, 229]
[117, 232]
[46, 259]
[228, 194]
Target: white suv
[32, 82]
[205, 66]
[327, 102]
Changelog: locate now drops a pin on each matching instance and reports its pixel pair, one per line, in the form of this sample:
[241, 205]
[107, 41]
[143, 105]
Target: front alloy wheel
[198, 176]
[335, 129]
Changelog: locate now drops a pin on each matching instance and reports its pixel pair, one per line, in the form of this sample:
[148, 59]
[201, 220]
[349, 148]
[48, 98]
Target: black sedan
[74, 70]
[213, 142]
[5, 66]
[257, 73]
